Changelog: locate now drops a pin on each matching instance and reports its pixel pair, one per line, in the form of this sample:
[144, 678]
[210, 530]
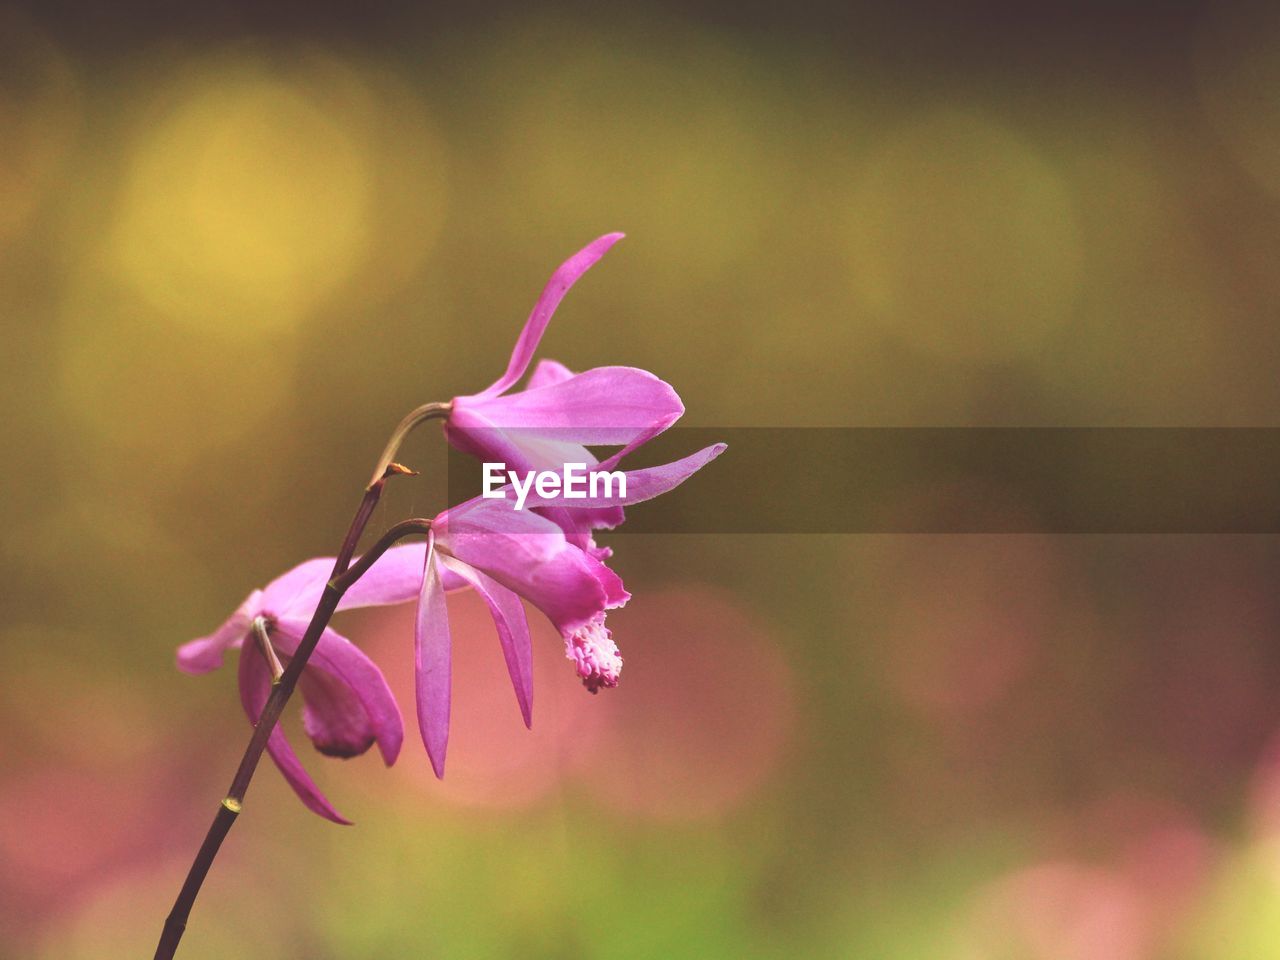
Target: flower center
[596, 656]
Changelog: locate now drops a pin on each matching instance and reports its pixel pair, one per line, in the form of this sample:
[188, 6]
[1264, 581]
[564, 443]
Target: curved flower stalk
[508, 554]
[348, 706]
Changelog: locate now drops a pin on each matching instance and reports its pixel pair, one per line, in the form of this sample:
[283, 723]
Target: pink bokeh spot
[703, 717]
[1120, 879]
[1155, 842]
[69, 829]
[698, 727]
[1059, 911]
[61, 826]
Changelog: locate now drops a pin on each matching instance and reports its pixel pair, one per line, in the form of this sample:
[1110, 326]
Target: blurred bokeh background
[236, 244]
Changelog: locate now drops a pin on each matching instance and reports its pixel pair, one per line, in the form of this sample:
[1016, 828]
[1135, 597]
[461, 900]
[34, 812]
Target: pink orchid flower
[545, 555]
[502, 553]
[549, 423]
[507, 554]
[347, 704]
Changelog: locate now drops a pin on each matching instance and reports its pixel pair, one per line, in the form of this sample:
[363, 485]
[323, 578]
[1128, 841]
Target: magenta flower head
[347, 704]
[548, 423]
[507, 554]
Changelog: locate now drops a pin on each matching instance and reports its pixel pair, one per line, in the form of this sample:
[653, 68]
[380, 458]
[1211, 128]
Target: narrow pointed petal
[349, 706]
[643, 484]
[432, 667]
[604, 405]
[649, 482]
[513, 630]
[255, 687]
[205, 654]
[566, 276]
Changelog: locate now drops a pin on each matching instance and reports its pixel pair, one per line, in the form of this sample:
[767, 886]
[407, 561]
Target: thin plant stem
[260, 631]
[428, 411]
[339, 581]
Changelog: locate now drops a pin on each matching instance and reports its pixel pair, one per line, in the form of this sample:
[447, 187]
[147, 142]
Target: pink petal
[643, 484]
[348, 703]
[451, 581]
[540, 453]
[205, 654]
[468, 430]
[578, 524]
[575, 525]
[601, 518]
[473, 433]
[396, 577]
[307, 579]
[521, 451]
[255, 687]
[525, 553]
[513, 631]
[547, 373]
[333, 717]
[615, 594]
[605, 405]
[565, 276]
[432, 664]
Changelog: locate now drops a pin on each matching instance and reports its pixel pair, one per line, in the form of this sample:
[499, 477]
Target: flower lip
[596, 656]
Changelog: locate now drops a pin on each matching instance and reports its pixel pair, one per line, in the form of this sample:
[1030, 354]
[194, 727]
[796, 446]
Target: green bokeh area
[238, 243]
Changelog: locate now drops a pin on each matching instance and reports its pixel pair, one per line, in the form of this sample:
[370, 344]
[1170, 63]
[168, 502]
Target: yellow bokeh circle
[248, 192]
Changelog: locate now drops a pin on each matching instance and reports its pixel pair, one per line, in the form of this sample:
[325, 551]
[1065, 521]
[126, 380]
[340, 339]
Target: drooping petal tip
[205, 654]
[512, 627]
[255, 687]
[565, 276]
[432, 665]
